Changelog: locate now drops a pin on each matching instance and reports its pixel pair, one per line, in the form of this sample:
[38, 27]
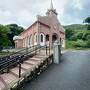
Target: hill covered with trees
[77, 36]
[76, 27]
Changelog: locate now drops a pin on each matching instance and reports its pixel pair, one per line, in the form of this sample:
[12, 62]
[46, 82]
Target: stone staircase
[34, 64]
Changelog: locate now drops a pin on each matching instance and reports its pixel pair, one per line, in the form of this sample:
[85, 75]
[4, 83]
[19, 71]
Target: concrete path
[73, 73]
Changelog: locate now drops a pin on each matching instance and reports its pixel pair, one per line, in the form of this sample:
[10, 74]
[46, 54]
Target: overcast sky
[24, 12]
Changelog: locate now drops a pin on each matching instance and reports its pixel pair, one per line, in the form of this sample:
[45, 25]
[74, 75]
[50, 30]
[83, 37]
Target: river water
[73, 73]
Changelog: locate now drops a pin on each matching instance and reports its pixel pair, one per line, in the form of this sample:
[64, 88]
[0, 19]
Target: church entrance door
[54, 37]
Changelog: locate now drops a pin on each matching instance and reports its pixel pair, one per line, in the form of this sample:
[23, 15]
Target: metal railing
[17, 58]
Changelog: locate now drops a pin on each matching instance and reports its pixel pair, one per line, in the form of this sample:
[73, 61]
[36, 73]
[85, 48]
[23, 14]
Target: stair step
[16, 71]
[26, 62]
[36, 59]
[40, 56]
[26, 66]
[8, 78]
[2, 84]
[13, 73]
[31, 62]
[35, 63]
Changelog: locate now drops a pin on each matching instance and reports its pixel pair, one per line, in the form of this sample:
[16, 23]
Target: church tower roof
[51, 11]
[51, 6]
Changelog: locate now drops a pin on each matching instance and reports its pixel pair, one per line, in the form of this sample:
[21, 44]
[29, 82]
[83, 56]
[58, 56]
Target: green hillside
[76, 27]
[77, 36]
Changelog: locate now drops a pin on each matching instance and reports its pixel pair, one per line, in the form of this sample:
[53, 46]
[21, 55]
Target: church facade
[46, 30]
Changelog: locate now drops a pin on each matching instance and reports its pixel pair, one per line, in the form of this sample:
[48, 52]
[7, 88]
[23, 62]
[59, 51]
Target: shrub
[80, 43]
[88, 43]
[70, 44]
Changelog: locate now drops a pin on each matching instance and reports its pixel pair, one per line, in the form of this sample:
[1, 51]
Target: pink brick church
[45, 30]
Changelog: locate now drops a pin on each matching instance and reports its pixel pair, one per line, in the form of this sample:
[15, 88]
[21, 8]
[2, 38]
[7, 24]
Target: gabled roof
[50, 21]
[34, 24]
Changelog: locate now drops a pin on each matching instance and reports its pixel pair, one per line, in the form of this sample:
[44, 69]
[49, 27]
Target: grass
[2, 54]
[71, 45]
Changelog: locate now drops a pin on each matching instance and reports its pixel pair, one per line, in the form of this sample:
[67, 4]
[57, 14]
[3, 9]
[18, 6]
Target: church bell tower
[51, 11]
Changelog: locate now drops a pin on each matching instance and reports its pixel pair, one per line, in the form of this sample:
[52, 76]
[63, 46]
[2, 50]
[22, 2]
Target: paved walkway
[73, 73]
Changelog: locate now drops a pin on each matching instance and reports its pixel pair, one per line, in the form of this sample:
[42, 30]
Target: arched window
[35, 38]
[30, 40]
[41, 38]
[47, 37]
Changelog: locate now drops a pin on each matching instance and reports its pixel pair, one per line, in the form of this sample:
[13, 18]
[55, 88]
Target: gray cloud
[76, 13]
[23, 12]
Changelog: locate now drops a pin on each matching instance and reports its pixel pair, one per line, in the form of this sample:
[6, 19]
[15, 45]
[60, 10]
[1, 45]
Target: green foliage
[4, 30]
[7, 33]
[88, 43]
[80, 43]
[76, 27]
[86, 35]
[14, 30]
[79, 39]
[69, 33]
[87, 20]
[78, 35]
[4, 41]
[70, 44]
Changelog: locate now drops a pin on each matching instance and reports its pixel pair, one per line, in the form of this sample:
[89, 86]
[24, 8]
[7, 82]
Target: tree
[87, 20]
[86, 35]
[7, 33]
[4, 41]
[14, 30]
[79, 35]
[79, 43]
[69, 34]
[88, 43]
